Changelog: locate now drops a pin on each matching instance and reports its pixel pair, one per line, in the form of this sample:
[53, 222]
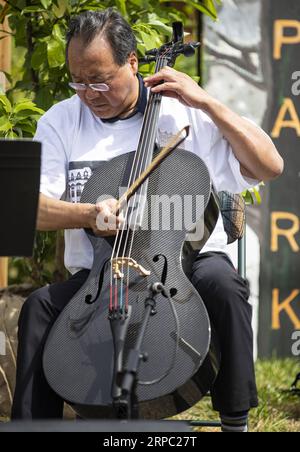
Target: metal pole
[242, 255]
[199, 50]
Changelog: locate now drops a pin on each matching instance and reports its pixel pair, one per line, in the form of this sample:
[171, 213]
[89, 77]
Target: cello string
[155, 113]
[143, 164]
[137, 167]
[134, 168]
[143, 161]
[119, 235]
[149, 133]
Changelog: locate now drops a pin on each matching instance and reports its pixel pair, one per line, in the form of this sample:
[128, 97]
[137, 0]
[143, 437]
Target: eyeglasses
[93, 86]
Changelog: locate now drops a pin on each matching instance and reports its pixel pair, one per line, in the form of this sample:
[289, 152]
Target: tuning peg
[147, 59]
[189, 49]
[151, 52]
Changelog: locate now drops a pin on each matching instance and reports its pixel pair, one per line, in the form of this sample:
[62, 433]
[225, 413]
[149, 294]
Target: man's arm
[258, 157]
[54, 214]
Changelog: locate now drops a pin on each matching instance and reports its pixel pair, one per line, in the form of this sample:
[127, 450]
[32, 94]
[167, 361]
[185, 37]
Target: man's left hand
[172, 83]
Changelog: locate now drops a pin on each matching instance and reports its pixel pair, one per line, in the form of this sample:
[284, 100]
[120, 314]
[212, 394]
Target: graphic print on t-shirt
[78, 175]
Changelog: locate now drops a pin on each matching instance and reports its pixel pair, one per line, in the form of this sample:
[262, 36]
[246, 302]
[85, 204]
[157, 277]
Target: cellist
[101, 121]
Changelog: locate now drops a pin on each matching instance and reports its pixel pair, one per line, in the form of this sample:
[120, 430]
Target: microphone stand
[125, 403]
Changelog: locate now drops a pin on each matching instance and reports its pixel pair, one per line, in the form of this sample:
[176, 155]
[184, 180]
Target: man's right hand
[104, 221]
[54, 214]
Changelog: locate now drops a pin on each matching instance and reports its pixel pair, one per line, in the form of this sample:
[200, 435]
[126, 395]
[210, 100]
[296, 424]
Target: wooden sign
[279, 315]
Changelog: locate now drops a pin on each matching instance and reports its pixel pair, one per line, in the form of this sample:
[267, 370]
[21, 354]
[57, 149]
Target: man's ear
[133, 62]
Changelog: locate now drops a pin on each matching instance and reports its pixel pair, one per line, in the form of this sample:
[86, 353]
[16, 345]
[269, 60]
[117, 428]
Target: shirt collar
[140, 105]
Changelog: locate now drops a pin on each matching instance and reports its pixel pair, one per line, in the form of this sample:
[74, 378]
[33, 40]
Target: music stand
[20, 162]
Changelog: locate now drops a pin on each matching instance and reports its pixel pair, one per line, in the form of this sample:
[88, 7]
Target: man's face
[94, 63]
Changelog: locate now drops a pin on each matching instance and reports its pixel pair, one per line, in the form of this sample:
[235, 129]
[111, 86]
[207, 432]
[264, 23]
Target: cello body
[182, 356]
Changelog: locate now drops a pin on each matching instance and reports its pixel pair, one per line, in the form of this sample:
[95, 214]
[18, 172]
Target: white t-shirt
[74, 140]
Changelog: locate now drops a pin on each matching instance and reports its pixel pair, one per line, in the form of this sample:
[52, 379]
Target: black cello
[90, 344]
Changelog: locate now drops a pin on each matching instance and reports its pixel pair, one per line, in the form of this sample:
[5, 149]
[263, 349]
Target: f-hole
[164, 273]
[89, 298]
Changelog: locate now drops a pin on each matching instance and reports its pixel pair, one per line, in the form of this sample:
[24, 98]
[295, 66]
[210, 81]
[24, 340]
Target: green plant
[39, 27]
[278, 409]
[252, 195]
[19, 119]
[40, 74]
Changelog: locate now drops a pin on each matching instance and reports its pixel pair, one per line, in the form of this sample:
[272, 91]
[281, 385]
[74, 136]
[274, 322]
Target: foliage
[40, 73]
[39, 269]
[19, 119]
[39, 27]
[252, 195]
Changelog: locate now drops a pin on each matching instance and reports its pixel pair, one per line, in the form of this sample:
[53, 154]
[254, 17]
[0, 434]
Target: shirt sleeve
[224, 167]
[54, 160]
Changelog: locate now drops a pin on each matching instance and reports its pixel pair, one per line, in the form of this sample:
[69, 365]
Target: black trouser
[225, 295]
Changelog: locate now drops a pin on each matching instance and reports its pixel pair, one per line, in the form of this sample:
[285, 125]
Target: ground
[279, 409]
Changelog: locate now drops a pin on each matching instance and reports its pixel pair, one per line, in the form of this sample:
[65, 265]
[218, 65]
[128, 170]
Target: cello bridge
[120, 262]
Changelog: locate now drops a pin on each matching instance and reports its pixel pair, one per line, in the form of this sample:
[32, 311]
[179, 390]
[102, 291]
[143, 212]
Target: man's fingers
[106, 218]
[106, 221]
[162, 76]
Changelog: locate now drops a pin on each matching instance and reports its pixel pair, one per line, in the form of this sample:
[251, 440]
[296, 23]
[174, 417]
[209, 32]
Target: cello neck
[150, 123]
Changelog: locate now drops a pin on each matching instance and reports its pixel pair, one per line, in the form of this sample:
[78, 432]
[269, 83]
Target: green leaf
[205, 6]
[29, 128]
[141, 49]
[6, 127]
[210, 8]
[257, 195]
[46, 3]
[57, 33]
[121, 5]
[27, 106]
[27, 113]
[44, 98]
[55, 53]
[159, 25]
[18, 131]
[147, 40]
[248, 197]
[24, 100]
[6, 103]
[136, 3]
[61, 8]
[11, 134]
[5, 124]
[33, 9]
[39, 55]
